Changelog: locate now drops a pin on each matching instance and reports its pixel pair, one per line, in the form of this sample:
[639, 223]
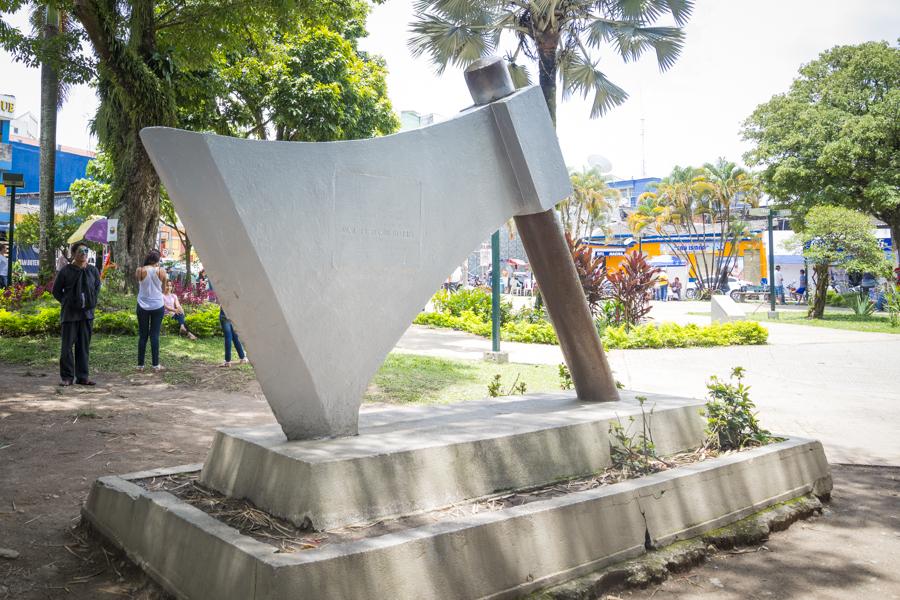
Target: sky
[738, 54]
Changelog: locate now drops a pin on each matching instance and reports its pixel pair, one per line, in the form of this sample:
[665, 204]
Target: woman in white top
[150, 307]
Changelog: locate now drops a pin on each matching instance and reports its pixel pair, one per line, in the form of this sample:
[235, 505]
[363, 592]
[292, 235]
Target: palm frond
[632, 39]
[681, 10]
[447, 42]
[650, 10]
[580, 76]
[520, 75]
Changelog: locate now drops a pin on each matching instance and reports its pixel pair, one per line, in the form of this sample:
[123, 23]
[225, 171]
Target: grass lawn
[841, 320]
[403, 378]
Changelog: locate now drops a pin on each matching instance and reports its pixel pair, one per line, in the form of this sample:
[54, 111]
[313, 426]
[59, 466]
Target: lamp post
[12, 181]
[495, 292]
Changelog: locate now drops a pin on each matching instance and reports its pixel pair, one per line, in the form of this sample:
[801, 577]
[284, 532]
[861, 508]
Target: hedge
[651, 335]
[202, 322]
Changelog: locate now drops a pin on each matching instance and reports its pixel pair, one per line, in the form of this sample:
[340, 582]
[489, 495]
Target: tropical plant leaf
[582, 77]
[447, 42]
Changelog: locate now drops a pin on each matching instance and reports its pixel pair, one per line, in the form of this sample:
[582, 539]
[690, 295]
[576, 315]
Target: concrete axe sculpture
[323, 253]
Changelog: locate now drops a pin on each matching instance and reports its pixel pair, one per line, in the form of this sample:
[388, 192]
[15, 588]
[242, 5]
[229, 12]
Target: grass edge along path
[836, 320]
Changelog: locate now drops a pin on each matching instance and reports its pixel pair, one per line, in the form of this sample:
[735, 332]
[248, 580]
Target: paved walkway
[837, 386]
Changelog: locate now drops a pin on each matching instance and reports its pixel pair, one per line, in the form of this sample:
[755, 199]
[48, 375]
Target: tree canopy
[166, 63]
[311, 84]
[834, 236]
[834, 137]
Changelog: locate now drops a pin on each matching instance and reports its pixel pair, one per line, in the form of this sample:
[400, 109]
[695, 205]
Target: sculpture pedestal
[413, 459]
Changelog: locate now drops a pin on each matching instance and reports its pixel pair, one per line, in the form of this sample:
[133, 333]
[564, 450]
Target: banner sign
[7, 107]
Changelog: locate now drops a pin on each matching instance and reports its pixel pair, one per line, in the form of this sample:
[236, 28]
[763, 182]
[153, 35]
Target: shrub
[15, 324]
[565, 377]
[832, 298]
[861, 305]
[530, 333]
[117, 323]
[15, 296]
[633, 453]
[202, 322]
[591, 273]
[672, 335]
[477, 301]
[631, 286]
[731, 422]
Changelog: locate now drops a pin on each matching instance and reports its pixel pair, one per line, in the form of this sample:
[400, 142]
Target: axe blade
[323, 253]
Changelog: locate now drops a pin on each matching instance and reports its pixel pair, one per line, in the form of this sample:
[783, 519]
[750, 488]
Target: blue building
[631, 189]
[71, 164]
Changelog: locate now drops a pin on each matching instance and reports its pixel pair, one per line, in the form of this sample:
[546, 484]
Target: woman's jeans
[149, 322]
[231, 336]
[180, 318]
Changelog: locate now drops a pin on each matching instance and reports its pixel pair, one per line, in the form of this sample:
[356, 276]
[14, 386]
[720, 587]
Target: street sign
[763, 211]
[112, 230]
[15, 180]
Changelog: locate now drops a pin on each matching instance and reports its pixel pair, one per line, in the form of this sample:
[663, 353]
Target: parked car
[735, 287]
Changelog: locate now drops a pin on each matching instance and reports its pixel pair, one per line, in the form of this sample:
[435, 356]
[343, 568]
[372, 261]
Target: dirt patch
[54, 442]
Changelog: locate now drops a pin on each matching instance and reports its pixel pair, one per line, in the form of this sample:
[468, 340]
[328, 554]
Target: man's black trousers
[78, 334]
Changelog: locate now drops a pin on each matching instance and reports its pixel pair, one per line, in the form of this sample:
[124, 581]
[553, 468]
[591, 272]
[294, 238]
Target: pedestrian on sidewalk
[4, 265]
[76, 288]
[663, 281]
[779, 284]
[150, 308]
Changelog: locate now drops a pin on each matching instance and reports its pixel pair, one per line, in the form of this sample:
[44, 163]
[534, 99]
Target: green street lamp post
[12, 181]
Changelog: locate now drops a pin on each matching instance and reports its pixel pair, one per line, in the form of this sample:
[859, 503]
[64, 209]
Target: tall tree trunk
[187, 259]
[139, 199]
[133, 96]
[49, 106]
[894, 224]
[817, 310]
[547, 63]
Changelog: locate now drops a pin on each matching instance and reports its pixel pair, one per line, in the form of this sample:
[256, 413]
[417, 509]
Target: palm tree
[588, 205]
[695, 203]
[562, 36]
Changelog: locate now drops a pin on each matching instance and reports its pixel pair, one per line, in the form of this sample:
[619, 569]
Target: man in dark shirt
[76, 288]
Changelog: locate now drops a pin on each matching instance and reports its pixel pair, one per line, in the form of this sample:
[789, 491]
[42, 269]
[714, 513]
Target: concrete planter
[501, 554]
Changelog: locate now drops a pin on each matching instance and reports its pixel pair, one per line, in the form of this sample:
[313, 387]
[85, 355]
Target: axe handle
[551, 262]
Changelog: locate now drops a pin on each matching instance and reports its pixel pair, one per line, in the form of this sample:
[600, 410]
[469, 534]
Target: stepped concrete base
[414, 459]
[502, 554]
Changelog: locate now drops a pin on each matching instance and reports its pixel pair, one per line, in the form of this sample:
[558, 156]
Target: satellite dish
[600, 163]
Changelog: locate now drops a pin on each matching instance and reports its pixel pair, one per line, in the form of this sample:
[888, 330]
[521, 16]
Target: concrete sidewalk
[834, 385]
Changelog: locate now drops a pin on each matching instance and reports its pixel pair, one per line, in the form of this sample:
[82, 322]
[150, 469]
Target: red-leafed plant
[631, 287]
[591, 273]
[14, 296]
[193, 294]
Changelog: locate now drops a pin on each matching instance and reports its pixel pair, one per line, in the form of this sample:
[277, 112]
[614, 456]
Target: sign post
[769, 214]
